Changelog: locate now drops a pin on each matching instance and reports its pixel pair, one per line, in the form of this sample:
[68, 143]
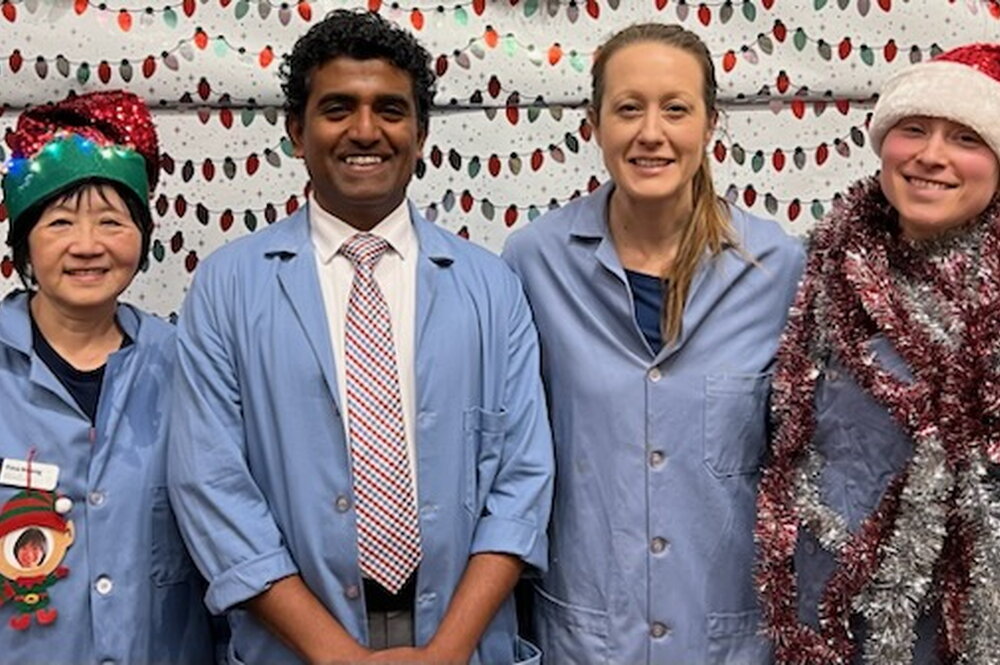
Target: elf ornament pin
[34, 537]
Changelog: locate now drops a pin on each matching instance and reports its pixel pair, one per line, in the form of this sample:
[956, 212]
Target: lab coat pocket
[484, 431]
[171, 563]
[735, 422]
[527, 653]
[569, 633]
[734, 639]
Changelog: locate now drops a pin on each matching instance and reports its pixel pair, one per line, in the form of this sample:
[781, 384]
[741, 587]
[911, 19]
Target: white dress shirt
[396, 274]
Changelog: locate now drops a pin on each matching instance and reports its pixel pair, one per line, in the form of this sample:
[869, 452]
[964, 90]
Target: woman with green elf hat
[93, 567]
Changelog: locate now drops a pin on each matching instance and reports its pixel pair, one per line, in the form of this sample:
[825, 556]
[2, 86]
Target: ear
[713, 123]
[593, 116]
[421, 139]
[294, 128]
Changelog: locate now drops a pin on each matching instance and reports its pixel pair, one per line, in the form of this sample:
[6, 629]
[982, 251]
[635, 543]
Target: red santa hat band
[962, 85]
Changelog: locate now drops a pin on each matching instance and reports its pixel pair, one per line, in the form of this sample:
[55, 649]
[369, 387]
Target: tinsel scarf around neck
[933, 541]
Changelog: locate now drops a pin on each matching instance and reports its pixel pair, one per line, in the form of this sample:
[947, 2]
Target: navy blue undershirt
[647, 293]
[83, 385]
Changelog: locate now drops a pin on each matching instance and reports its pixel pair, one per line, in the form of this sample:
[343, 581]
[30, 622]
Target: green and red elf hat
[106, 135]
[33, 508]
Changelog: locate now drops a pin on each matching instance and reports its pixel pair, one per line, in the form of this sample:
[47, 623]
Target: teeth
[927, 184]
[650, 162]
[86, 271]
[363, 160]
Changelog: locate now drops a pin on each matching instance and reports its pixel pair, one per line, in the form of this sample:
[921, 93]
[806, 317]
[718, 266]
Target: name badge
[14, 472]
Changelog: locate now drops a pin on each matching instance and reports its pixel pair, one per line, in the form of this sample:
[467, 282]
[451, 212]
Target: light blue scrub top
[658, 456]
[132, 594]
[259, 465]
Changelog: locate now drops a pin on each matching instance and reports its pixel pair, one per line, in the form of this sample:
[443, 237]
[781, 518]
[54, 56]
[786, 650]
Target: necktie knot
[364, 250]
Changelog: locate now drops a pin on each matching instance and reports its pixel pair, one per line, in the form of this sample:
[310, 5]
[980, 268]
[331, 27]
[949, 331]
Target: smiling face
[359, 137]
[938, 174]
[653, 125]
[84, 251]
[34, 550]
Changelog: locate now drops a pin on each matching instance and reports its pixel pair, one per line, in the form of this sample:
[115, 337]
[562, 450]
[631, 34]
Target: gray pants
[390, 629]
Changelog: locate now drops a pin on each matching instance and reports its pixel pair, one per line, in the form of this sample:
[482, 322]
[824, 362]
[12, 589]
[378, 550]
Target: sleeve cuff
[248, 579]
[512, 536]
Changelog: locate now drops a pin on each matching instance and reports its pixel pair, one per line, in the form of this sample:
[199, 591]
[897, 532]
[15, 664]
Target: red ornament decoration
[417, 19]
[490, 37]
[844, 48]
[305, 11]
[778, 159]
[719, 151]
[728, 61]
[782, 82]
[148, 66]
[124, 20]
[266, 57]
[536, 159]
[704, 14]
[822, 154]
[779, 31]
[510, 216]
[200, 38]
[555, 54]
[80, 6]
[890, 50]
[15, 61]
[9, 11]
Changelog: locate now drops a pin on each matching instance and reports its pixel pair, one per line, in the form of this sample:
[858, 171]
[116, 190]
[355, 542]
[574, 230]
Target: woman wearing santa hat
[93, 567]
[879, 515]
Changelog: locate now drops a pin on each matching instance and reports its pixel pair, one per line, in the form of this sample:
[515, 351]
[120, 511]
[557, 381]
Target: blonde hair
[710, 228]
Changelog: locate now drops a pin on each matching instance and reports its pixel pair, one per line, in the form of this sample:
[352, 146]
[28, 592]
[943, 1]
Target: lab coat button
[659, 630]
[352, 592]
[343, 504]
[658, 545]
[103, 585]
[657, 458]
[655, 375]
[96, 498]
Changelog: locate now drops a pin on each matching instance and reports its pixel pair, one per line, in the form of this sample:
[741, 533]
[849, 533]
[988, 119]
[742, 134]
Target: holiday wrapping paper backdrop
[508, 138]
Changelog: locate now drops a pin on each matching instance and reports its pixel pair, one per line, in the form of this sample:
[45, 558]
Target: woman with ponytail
[659, 308]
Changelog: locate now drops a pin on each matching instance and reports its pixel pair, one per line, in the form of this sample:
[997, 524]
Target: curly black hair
[360, 35]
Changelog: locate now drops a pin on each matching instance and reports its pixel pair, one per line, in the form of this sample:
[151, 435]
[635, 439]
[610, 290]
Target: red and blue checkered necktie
[388, 526]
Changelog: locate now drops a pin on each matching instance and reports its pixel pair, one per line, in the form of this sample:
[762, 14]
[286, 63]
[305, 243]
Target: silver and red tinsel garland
[932, 544]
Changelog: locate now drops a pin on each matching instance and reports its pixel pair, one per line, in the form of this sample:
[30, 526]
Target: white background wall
[797, 79]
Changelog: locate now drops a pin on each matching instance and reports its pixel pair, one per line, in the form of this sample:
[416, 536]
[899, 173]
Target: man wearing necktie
[360, 458]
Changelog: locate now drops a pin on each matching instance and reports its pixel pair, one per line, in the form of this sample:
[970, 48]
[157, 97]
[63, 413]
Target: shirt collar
[329, 232]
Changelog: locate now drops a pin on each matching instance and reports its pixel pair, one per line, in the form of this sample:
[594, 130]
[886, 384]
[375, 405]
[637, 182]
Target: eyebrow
[380, 99]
